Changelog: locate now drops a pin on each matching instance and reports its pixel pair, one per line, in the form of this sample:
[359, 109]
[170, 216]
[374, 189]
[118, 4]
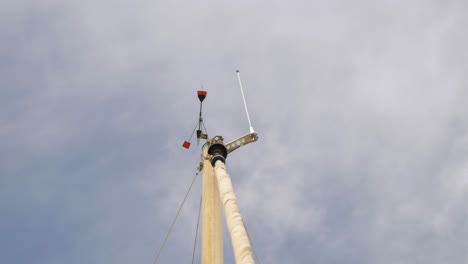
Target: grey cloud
[360, 109]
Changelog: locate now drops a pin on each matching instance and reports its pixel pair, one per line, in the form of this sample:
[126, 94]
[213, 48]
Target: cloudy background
[360, 106]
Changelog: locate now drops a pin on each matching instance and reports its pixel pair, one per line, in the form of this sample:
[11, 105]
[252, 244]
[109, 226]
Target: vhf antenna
[245, 104]
[201, 131]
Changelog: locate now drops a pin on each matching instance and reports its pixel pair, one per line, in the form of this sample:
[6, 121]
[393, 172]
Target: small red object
[186, 145]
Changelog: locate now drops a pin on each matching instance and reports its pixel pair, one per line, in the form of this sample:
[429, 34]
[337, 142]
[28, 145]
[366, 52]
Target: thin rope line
[196, 232]
[253, 248]
[193, 132]
[173, 222]
[206, 131]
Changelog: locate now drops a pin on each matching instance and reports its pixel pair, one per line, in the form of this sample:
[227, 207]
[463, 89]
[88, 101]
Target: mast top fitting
[217, 150]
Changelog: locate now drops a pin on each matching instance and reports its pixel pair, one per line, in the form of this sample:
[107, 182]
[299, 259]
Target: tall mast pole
[217, 190]
[240, 240]
[239, 237]
[212, 227]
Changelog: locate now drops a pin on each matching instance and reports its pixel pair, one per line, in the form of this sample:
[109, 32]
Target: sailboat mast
[239, 238]
[217, 153]
[217, 190]
[212, 227]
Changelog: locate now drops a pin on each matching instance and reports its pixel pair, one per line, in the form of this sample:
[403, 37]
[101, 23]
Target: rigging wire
[253, 248]
[206, 131]
[196, 232]
[193, 132]
[173, 222]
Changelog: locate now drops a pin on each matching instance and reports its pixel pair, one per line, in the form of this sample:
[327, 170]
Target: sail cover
[240, 240]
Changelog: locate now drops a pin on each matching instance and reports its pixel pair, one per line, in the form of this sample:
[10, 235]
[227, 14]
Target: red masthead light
[201, 95]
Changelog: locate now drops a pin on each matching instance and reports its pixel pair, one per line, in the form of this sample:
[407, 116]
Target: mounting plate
[231, 146]
[241, 141]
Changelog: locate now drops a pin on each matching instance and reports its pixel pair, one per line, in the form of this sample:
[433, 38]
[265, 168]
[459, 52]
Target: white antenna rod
[245, 104]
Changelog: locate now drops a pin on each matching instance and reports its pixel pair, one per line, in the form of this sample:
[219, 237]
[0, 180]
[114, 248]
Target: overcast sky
[360, 106]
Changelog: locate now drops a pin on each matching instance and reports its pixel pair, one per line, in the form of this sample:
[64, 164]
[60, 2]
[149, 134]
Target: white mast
[212, 226]
[216, 155]
[216, 190]
[239, 238]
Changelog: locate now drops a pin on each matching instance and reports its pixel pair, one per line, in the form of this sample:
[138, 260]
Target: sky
[360, 107]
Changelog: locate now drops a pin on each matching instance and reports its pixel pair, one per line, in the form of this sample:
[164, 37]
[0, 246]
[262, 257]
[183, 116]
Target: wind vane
[201, 131]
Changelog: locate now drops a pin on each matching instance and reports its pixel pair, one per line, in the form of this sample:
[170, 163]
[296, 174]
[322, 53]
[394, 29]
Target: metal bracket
[231, 146]
[200, 167]
[216, 139]
[241, 141]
